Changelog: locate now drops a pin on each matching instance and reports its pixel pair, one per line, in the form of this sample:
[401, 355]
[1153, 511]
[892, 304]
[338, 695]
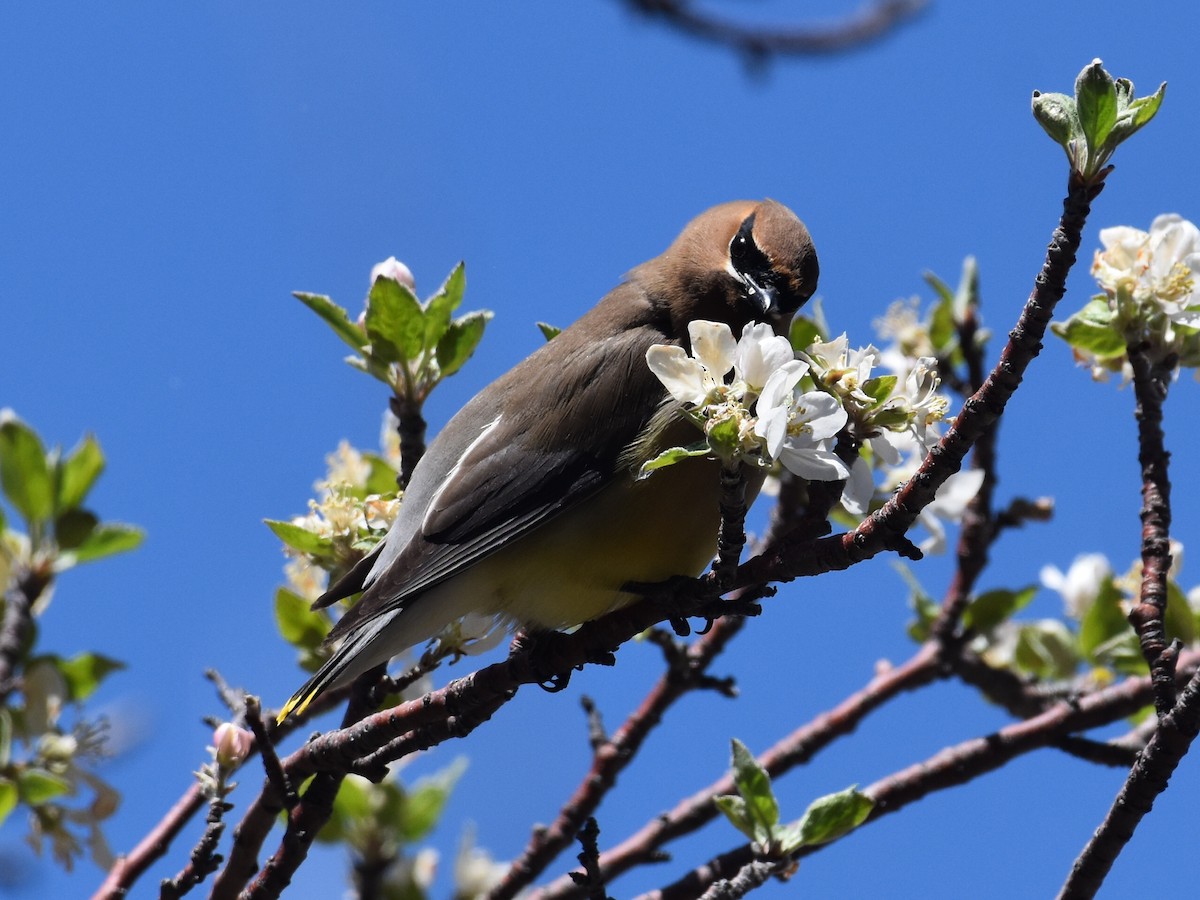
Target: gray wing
[565, 415]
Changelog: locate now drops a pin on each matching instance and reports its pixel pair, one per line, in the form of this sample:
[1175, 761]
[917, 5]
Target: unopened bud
[232, 744]
[394, 269]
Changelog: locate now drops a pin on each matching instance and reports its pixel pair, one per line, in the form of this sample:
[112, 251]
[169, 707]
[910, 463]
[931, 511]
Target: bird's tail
[352, 657]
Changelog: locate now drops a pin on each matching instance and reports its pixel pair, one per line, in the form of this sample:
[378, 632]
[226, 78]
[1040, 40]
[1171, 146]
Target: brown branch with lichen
[1150, 382]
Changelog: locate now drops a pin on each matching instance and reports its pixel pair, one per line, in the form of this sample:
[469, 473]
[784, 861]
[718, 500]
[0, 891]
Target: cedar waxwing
[526, 505]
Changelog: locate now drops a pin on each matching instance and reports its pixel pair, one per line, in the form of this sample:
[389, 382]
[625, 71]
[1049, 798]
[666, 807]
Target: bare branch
[1148, 778]
[872, 23]
[1150, 382]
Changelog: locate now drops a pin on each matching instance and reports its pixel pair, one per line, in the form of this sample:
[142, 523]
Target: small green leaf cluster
[1092, 124]
[45, 764]
[947, 315]
[754, 811]
[408, 345]
[1093, 639]
[384, 824]
[47, 488]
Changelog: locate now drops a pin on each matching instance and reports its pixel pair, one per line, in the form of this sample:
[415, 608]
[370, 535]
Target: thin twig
[270, 759]
[306, 817]
[204, 859]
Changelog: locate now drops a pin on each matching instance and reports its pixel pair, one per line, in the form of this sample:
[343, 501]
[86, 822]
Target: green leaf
[301, 538]
[8, 798]
[1124, 88]
[549, 332]
[1142, 110]
[1096, 104]
[805, 332]
[1178, 618]
[724, 437]
[1102, 621]
[1057, 115]
[441, 306]
[942, 330]
[1093, 330]
[37, 786]
[84, 673]
[301, 626]
[395, 322]
[1046, 649]
[880, 387]
[461, 340]
[382, 477]
[78, 472]
[754, 786]
[671, 456]
[351, 808]
[967, 295]
[993, 607]
[427, 799]
[73, 527]
[925, 607]
[834, 815]
[24, 473]
[106, 540]
[334, 316]
[738, 814]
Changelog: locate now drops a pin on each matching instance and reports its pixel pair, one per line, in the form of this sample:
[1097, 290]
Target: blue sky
[169, 174]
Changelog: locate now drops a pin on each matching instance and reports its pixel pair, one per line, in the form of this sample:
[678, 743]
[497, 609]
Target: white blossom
[1156, 267]
[799, 427]
[948, 505]
[720, 382]
[842, 370]
[1080, 585]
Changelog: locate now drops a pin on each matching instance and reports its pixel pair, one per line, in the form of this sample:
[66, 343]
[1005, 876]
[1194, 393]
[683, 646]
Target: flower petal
[679, 373]
[822, 413]
[760, 351]
[713, 345]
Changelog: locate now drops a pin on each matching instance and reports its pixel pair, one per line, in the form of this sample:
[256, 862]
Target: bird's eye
[745, 254]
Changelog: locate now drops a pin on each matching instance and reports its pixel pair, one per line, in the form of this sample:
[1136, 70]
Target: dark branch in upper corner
[761, 42]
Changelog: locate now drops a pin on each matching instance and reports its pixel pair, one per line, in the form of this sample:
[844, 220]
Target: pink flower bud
[232, 744]
[394, 269]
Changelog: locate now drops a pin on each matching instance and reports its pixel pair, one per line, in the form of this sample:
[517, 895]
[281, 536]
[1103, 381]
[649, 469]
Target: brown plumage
[525, 506]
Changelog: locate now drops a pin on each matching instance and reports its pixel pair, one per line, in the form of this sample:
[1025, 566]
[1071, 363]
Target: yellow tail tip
[298, 704]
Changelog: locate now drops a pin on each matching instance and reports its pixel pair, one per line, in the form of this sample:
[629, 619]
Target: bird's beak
[762, 294]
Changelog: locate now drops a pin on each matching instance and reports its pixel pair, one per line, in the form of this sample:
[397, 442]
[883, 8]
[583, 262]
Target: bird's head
[736, 263]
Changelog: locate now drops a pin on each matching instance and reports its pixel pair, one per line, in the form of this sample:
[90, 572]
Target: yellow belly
[572, 569]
